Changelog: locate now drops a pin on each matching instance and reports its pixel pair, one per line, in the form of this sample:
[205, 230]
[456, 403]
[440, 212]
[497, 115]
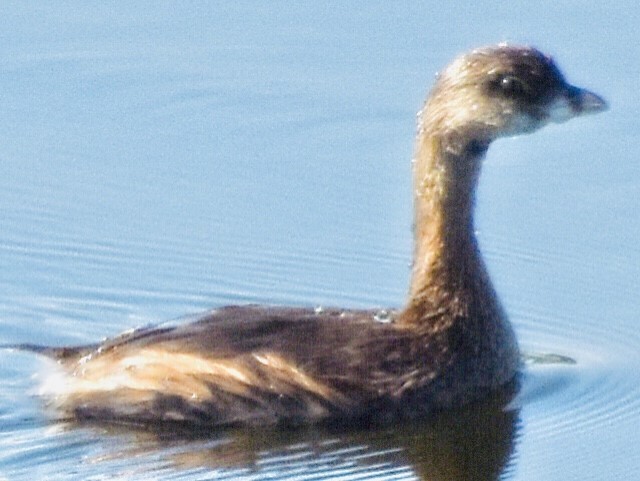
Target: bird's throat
[446, 257]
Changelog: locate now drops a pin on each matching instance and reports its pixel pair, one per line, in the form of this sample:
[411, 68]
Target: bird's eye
[509, 86]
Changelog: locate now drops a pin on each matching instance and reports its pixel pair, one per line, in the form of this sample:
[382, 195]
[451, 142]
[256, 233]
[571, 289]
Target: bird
[450, 344]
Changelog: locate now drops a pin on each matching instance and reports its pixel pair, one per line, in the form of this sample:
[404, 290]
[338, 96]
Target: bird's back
[249, 365]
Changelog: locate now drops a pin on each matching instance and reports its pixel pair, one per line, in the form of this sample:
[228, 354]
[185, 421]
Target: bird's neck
[448, 274]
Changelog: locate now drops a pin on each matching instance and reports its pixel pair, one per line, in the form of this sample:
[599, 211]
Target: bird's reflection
[475, 443]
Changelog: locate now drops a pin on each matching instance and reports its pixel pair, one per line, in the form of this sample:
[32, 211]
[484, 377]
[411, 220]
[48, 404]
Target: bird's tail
[47, 351]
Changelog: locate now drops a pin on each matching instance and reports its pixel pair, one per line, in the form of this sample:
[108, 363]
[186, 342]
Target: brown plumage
[450, 344]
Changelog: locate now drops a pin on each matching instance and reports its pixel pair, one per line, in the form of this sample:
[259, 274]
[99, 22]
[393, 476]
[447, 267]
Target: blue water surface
[161, 158]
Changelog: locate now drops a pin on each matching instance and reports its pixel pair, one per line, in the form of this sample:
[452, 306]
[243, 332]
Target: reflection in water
[474, 444]
[471, 444]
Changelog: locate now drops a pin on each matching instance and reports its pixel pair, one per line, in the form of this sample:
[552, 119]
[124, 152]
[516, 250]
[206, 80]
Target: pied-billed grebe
[450, 344]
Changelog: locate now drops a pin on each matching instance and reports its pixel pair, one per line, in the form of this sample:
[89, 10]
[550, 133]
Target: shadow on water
[476, 443]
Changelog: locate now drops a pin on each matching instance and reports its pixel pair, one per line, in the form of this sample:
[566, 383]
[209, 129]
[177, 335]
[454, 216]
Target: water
[160, 159]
